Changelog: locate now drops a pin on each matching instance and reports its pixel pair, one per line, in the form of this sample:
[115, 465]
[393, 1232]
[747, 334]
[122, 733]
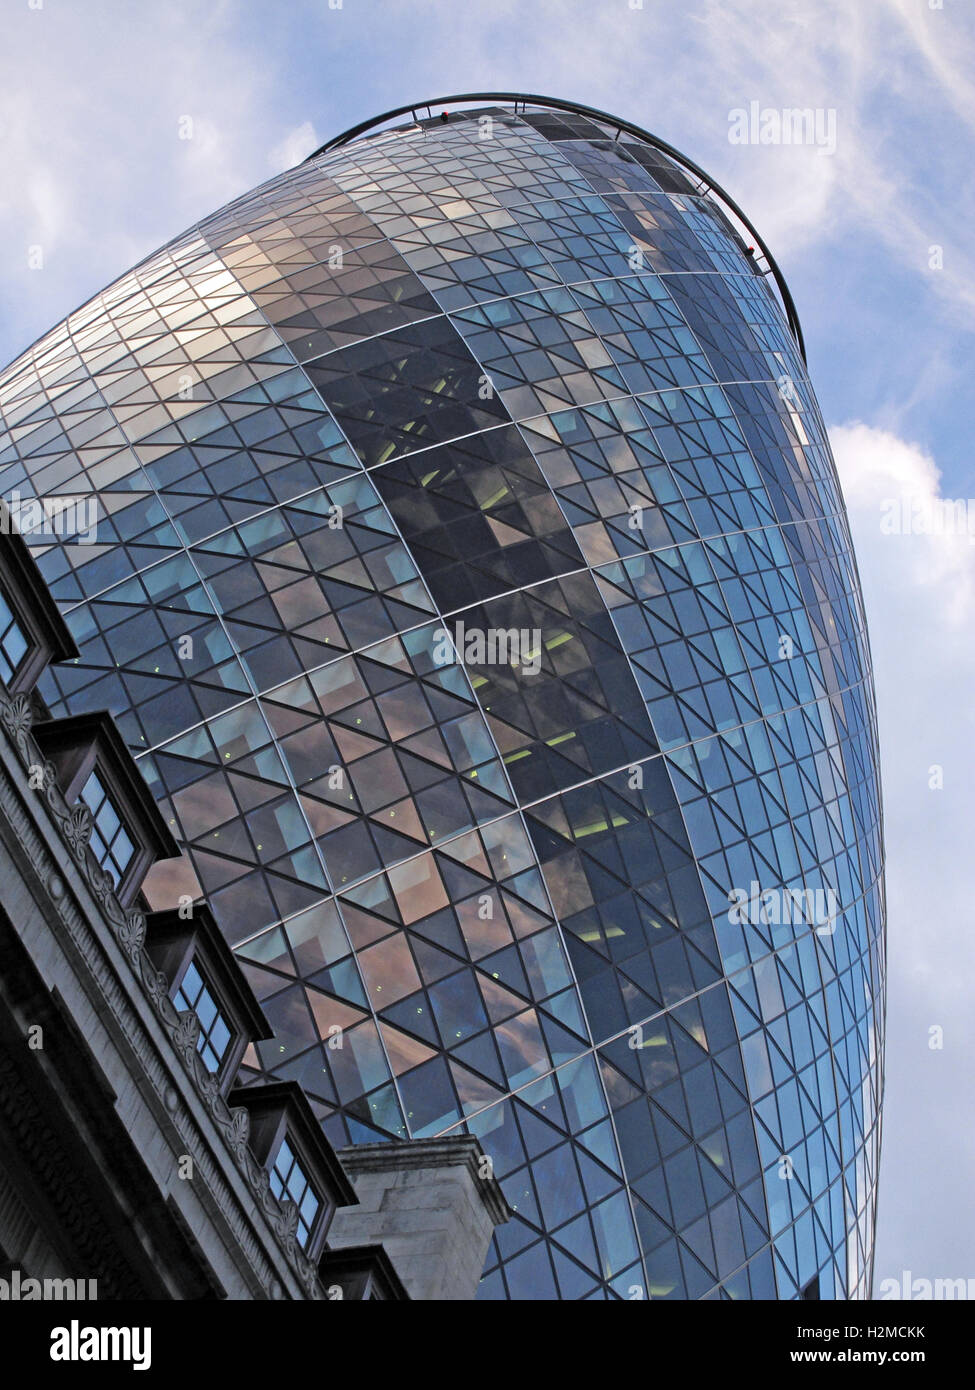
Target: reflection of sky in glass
[488, 879]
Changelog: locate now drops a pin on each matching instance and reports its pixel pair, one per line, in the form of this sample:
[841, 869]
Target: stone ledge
[413, 1155]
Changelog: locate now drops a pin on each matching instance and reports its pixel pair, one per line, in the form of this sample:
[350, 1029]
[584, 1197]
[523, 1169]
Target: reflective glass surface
[289, 1183]
[110, 841]
[194, 995]
[13, 643]
[613, 903]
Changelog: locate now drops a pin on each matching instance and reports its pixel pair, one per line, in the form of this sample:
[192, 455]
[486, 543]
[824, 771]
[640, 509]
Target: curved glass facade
[473, 585]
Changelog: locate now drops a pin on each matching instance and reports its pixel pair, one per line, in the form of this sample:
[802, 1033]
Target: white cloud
[919, 592]
[46, 208]
[879, 182]
[144, 122]
[297, 145]
[896, 73]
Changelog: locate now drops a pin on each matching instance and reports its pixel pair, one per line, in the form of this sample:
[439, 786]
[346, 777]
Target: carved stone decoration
[79, 1217]
[206, 1082]
[132, 931]
[165, 1007]
[17, 716]
[77, 827]
[155, 982]
[187, 1031]
[238, 1130]
[256, 1175]
[128, 926]
[49, 785]
[104, 884]
[289, 1219]
[111, 906]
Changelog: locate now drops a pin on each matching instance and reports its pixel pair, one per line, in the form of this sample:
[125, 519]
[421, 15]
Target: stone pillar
[426, 1202]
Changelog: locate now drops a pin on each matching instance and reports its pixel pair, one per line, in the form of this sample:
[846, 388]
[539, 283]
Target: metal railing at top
[522, 101]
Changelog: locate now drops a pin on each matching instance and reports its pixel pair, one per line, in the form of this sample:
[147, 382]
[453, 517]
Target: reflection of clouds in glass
[309, 466]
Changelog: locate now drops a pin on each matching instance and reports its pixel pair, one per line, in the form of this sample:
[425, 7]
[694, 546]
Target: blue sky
[95, 173]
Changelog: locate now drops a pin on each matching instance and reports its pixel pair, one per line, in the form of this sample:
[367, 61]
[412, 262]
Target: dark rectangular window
[13, 643]
[288, 1182]
[110, 842]
[214, 1038]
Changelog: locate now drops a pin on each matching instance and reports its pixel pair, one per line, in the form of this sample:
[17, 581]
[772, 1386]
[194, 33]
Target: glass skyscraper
[473, 585]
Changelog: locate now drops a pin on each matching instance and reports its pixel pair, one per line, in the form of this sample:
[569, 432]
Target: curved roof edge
[527, 99]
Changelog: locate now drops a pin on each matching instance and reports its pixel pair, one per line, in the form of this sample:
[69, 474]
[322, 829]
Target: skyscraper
[472, 583]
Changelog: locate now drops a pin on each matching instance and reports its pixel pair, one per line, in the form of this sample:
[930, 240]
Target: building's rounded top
[523, 101]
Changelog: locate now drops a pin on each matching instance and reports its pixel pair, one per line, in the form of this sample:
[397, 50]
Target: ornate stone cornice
[38, 1146]
[128, 927]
